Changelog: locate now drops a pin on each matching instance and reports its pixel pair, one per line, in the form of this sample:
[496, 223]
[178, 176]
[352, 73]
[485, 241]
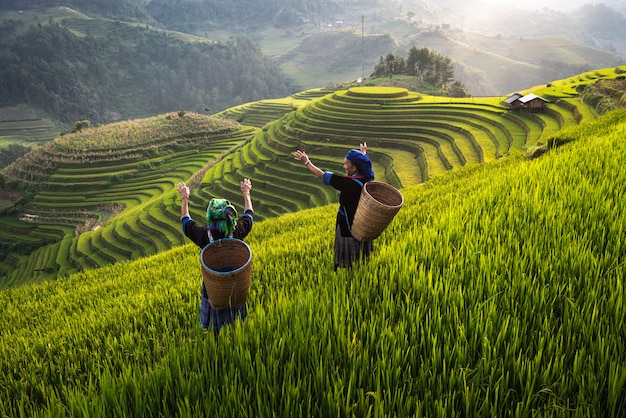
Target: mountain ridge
[484, 75]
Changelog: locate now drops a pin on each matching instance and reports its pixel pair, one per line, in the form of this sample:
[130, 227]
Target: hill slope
[107, 194]
[86, 184]
[77, 67]
[126, 59]
[497, 290]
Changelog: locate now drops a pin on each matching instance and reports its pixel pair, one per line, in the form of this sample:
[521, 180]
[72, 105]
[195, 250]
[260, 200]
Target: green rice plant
[497, 290]
[64, 260]
[91, 249]
[287, 181]
[140, 238]
[109, 239]
[127, 240]
[142, 131]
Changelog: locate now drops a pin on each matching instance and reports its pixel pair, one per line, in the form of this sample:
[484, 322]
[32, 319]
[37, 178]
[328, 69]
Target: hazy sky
[563, 5]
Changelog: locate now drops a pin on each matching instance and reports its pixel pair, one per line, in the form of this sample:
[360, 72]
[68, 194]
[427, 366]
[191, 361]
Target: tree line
[129, 72]
[197, 15]
[129, 10]
[431, 66]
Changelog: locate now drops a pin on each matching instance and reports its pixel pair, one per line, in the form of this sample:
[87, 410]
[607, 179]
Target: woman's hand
[301, 156]
[184, 196]
[183, 190]
[363, 147]
[245, 185]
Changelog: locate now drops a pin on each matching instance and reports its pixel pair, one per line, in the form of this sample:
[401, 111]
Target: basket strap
[343, 210]
[208, 232]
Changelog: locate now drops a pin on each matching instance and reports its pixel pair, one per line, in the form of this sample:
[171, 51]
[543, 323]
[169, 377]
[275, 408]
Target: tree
[394, 65]
[423, 62]
[457, 89]
[435, 68]
[443, 69]
[11, 153]
[80, 125]
[379, 69]
[411, 61]
[390, 64]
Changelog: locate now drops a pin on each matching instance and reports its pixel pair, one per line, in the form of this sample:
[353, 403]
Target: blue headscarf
[362, 162]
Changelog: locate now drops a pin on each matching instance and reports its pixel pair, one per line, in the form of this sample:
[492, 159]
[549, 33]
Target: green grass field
[497, 290]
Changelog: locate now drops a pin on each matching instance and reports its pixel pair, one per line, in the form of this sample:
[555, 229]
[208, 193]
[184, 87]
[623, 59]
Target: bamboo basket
[226, 272]
[378, 204]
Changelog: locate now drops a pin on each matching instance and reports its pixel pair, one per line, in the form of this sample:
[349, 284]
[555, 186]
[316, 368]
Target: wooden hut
[513, 101]
[530, 102]
[533, 103]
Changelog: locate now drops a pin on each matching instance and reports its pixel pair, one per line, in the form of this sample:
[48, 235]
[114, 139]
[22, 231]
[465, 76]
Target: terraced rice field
[101, 205]
[411, 138]
[116, 199]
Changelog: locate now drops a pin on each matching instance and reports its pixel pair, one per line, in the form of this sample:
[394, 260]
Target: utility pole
[362, 49]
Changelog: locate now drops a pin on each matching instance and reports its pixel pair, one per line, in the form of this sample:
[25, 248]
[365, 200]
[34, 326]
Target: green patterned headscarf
[222, 216]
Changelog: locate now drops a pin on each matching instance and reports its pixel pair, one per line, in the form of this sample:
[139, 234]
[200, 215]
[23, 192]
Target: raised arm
[245, 185]
[304, 159]
[184, 195]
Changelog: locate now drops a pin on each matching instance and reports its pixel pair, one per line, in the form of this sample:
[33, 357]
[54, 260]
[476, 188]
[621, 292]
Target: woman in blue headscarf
[358, 167]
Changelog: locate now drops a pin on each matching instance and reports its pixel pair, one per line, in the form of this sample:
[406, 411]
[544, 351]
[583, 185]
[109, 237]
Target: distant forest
[109, 78]
[190, 15]
[130, 10]
[431, 66]
[136, 71]
[130, 72]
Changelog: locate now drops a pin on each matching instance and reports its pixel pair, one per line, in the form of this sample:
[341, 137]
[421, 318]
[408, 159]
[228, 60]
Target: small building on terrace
[530, 102]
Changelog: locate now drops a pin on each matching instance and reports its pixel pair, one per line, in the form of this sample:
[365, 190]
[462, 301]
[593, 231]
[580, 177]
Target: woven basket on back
[226, 272]
[378, 204]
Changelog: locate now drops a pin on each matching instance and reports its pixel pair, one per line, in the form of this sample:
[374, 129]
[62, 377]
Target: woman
[222, 222]
[359, 171]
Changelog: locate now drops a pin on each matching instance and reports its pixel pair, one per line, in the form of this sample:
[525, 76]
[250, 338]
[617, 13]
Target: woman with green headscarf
[222, 222]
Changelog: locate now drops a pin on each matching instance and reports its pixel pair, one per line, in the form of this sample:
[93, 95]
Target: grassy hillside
[107, 194]
[497, 290]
